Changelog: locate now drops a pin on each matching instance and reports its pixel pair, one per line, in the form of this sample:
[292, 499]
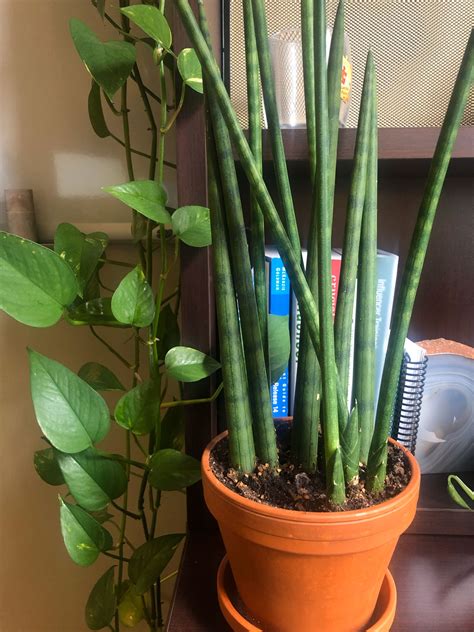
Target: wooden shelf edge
[401, 143]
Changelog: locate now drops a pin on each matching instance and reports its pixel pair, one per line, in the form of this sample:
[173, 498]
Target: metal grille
[417, 46]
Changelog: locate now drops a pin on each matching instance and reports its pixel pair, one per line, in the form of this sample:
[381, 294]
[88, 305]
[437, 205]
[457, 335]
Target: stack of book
[282, 301]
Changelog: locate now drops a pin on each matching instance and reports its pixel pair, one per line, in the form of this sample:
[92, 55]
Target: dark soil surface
[292, 488]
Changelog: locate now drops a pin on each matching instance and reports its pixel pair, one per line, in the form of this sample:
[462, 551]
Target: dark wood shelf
[394, 143]
[433, 575]
[432, 567]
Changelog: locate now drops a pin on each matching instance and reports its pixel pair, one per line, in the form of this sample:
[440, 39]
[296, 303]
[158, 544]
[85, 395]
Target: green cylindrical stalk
[269, 97]
[257, 226]
[350, 442]
[237, 403]
[307, 45]
[304, 435]
[307, 391]
[336, 53]
[364, 356]
[411, 276]
[264, 429]
[350, 251]
[290, 258]
[332, 449]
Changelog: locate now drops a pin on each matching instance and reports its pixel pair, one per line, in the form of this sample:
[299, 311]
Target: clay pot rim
[292, 515]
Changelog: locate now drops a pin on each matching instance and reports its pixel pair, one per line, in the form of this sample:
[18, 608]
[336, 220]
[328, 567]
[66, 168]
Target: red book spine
[335, 277]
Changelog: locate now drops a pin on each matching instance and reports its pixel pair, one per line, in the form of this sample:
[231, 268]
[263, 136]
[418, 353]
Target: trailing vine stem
[157, 278]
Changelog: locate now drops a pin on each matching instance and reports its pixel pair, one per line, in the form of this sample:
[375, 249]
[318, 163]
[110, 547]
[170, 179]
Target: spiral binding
[406, 417]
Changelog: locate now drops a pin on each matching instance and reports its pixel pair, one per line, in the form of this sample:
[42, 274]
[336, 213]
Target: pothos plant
[39, 286]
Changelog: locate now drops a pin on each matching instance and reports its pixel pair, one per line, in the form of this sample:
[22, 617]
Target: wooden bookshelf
[394, 143]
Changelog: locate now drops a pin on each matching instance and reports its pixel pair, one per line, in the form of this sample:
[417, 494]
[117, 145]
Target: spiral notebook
[406, 418]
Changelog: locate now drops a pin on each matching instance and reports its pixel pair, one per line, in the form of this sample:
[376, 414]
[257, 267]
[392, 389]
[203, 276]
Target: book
[295, 321]
[278, 292]
[445, 441]
[387, 266]
[406, 417]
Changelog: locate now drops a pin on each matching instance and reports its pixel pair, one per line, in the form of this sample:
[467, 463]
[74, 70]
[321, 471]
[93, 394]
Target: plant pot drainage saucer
[234, 611]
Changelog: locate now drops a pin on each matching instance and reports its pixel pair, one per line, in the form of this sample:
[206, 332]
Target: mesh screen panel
[417, 46]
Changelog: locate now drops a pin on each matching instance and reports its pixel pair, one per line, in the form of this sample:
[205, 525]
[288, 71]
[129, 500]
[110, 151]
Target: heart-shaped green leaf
[456, 496]
[130, 608]
[138, 410]
[96, 113]
[189, 365]
[133, 302]
[69, 412]
[150, 559]
[145, 196]
[172, 470]
[172, 429]
[83, 536]
[35, 283]
[151, 21]
[168, 331]
[82, 252]
[279, 345]
[98, 311]
[192, 224]
[190, 69]
[101, 603]
[109, 63]
[47, 467]
[100, 377]
[92, 479]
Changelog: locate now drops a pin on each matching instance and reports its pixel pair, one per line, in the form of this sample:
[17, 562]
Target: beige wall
[46, 144]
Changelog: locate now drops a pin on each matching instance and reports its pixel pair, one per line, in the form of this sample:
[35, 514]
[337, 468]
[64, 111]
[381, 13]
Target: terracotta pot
[303, 571]
[235, 615]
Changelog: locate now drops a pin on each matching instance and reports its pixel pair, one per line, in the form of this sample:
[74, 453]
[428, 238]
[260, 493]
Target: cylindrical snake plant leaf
[334, 95]
[350, 250]
[307, 397]
[334, 472]
[364, 355]
[307, 44]
[257, 225]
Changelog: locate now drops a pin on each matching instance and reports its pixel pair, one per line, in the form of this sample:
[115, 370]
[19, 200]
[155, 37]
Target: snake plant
[354, 433]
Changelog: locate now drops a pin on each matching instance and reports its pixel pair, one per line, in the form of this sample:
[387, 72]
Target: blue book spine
[278, 304]
[387, 265]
